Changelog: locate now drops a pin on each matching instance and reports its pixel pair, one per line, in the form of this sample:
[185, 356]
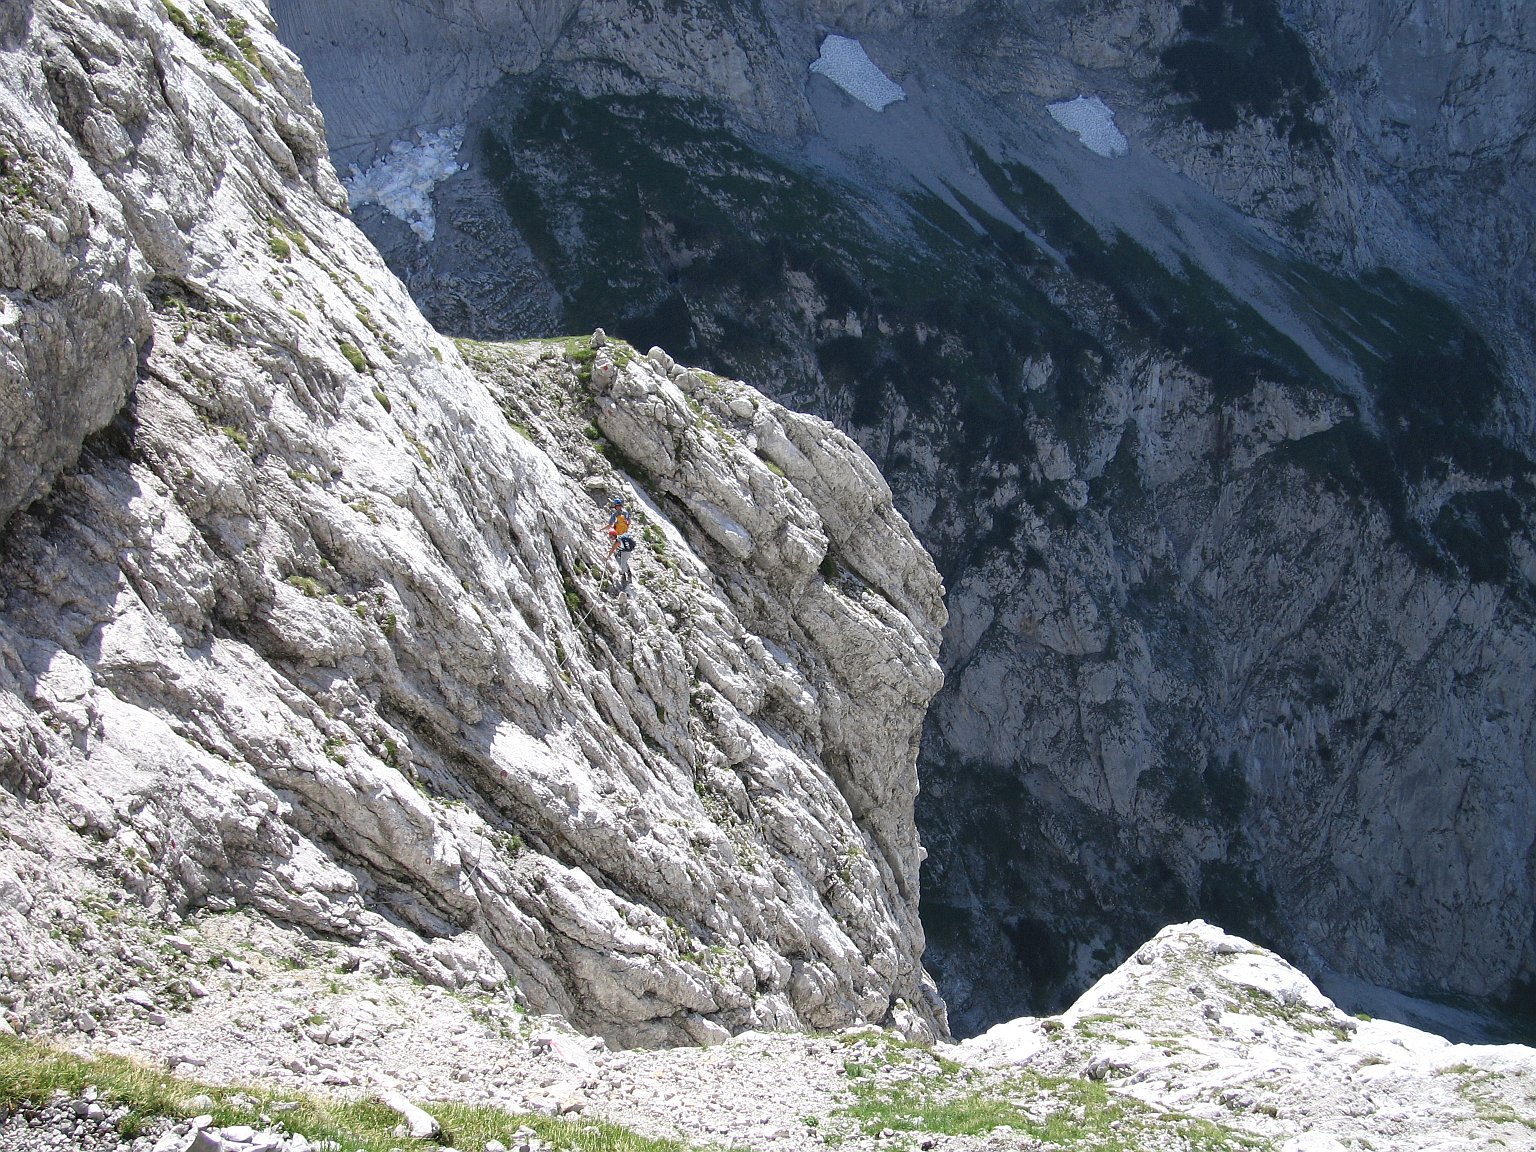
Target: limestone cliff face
[1416, 155]
[66, 246]
[321, 623]
[1224, 683]
[1222, 445]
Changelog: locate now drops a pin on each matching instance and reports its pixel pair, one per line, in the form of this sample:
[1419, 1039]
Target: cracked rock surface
[321, 625]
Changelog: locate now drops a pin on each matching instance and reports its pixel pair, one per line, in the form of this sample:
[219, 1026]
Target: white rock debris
[846, 64]
[1166, 1052]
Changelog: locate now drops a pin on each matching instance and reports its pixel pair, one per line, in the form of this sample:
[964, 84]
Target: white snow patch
[846, 64]
[1090, 120]
[402, 181]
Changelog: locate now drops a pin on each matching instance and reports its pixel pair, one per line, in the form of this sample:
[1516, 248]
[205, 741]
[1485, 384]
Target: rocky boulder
[1225, 1032]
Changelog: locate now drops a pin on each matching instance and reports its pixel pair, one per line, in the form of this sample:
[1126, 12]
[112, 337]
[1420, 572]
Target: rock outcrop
[74, 313]
[1220, 1030]
[321, 625]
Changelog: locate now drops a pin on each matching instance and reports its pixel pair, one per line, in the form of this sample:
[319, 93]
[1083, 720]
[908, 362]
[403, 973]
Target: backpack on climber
[623, 545]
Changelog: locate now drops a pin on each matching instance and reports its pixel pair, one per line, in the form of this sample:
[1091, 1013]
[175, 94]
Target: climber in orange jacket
[622, 543]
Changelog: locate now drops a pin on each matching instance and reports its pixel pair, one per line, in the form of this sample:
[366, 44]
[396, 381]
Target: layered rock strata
[321, 625]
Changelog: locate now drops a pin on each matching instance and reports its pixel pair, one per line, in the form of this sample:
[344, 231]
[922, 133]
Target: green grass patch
[19, 176]
[889, 1050]
[33, 1073]
[420, 448]
[238, 68]
[199, 33]
[917, 1111]
[306, 584]
[375, 329]
[282, 239]
[1058, 1111]
[654, 537]
[1479, 1087]
[1300, 1017]
[354, 355]
[239, 33]
[216, 45]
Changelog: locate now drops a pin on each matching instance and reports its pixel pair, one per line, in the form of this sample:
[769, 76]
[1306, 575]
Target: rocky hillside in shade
[1221, 440]
[306, 611]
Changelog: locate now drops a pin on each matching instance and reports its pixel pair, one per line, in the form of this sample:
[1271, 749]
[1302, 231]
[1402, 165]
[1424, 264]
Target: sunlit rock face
[68, 256]
[1219, 437]
[323, 626]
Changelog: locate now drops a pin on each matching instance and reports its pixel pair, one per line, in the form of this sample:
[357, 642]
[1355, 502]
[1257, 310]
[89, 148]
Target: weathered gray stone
[321, 634]
[74, 315]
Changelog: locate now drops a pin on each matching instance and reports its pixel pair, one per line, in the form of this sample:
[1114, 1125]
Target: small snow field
[846, 64]
[1091, 121]
[402, 181]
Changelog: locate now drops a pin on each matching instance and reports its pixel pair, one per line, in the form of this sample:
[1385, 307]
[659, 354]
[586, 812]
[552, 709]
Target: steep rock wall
[321, 625]
[1423, 161]
[66, 250]
[1226, 687]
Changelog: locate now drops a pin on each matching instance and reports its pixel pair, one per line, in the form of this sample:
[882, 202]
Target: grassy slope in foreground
[33, 1073]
